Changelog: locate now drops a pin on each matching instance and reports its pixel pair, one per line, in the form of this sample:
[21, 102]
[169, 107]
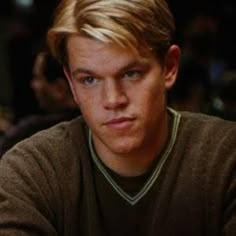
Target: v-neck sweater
[48, 184]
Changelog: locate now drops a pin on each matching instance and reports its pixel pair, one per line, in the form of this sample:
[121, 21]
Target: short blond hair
[129, 23]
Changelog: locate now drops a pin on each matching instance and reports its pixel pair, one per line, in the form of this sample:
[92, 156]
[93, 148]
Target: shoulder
[207, 142]
[204, 161]
[63, 133]
[29, 126]
[54, 154]
[208, 127]
[208, 139]
[57, 146]
[40, 176]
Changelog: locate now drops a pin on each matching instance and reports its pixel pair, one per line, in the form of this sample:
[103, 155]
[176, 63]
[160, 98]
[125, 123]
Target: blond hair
[129, 23]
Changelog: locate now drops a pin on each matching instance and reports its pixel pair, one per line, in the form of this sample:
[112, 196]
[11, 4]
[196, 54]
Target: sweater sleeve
[26, 193]
[223, 175]
[230, 212]
[228, 174]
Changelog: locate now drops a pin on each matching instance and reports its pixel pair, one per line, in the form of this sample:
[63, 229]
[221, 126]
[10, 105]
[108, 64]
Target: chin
[124, 146]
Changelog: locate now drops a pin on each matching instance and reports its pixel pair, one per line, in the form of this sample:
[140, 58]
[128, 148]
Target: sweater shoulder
[60, 145]
[45, 171]
[59, 137]
[207, 139]
[206, 125]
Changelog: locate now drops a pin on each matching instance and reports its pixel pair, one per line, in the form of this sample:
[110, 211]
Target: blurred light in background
[24, 4]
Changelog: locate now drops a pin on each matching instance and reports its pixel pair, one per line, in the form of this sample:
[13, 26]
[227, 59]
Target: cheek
[90, 113]
[87, 103]
[152, 100]
[78, 93]
[152, 91]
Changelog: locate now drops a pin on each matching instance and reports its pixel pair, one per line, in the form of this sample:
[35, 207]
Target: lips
[120, 123]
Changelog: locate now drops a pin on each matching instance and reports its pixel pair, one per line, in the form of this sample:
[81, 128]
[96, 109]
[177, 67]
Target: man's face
[121, 96]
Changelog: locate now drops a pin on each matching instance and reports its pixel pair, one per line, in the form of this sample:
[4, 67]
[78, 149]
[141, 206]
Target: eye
[132, 74]
[89, 80]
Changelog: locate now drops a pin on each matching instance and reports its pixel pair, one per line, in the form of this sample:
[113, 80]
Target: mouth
[120, 123]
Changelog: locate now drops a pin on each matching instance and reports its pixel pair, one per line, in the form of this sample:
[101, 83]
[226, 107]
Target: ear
[70, 81]
[171, 65]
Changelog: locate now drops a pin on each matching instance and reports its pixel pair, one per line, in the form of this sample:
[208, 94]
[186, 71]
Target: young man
[130, 166]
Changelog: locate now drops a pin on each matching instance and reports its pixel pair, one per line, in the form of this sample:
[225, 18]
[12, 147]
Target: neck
[138, 161]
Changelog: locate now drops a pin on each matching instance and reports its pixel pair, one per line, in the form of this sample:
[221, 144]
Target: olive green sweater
[50, 185]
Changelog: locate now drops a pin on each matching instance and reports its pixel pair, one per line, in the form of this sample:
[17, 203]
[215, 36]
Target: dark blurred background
[205, 32]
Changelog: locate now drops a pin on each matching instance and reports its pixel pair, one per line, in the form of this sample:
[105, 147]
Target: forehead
[84, 51]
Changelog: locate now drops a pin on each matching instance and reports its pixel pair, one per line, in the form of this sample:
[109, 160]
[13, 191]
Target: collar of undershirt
[148, 179]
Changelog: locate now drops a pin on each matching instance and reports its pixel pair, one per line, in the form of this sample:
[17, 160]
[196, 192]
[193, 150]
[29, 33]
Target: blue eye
[131, 75]
[89, 80]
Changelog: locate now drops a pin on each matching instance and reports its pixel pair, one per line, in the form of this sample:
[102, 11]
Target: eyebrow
[81, 70]
[134, 63]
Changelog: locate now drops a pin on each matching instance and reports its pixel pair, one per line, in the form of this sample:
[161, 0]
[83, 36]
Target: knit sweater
[49, 184]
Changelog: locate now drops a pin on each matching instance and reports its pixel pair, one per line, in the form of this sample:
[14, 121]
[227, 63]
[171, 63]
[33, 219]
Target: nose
[114, 95]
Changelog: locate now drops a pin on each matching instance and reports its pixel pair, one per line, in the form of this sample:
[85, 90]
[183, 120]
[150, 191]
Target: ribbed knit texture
[47, 184]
